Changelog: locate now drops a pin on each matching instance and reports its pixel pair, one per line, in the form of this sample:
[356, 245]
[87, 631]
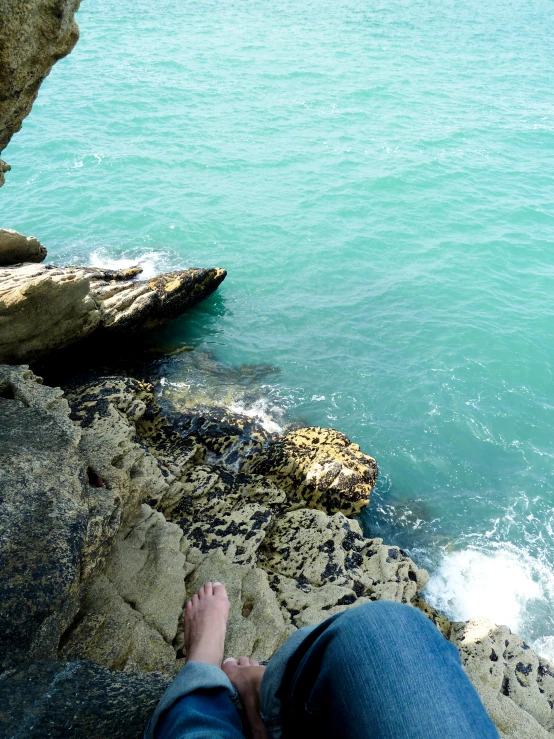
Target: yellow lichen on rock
[318, 468]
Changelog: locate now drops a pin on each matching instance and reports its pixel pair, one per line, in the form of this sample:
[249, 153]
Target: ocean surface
[378, 180]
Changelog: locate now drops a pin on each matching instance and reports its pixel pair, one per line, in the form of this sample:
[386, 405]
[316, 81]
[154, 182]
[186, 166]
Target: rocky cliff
[34, 34]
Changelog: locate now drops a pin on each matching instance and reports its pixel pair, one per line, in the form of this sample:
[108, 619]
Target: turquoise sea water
[378, 180]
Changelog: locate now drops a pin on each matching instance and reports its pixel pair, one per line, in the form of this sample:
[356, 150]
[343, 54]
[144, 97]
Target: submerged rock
[34, 34]
[43, 308]
[16, 248]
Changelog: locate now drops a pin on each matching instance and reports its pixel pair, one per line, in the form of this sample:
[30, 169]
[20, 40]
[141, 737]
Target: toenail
[217, 583]
[229, 659]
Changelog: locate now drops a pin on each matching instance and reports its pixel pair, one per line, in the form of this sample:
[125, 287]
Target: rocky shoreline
[111, 515]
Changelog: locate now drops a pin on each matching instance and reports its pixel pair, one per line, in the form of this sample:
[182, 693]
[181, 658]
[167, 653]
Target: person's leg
[203, 714]
[380, 671]
[201, 703]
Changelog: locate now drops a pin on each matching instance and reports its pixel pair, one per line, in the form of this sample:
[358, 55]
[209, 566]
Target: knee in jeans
[382, 615]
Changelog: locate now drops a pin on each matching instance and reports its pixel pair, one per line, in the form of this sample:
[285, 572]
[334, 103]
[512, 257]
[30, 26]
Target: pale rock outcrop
[43, 308]
[256, 626]
[223, 509]
[320, 565]
[16, 248]
[130, 611]
[299, 565]
[148, 568]
[34, 34]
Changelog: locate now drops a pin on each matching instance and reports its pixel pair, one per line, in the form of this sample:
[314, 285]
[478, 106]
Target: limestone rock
[91, 568]
[76, 700]
[43, 308]
[223, 509]
[505, 670]
[111, 632]
[127, 305]
[130, 611]
[107, 412]
[3, 169]
[148, 569]
[16, 248]
[318, 468]
[34, 34]
[320, 565]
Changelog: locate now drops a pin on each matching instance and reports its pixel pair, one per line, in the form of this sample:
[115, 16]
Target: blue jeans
[378, 671]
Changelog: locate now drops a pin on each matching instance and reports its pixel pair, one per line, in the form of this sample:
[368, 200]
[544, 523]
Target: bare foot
[246, 675]
[205, 624]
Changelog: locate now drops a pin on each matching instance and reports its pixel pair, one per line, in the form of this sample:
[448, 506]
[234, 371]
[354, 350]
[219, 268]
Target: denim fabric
[378, 671]
[182, 709]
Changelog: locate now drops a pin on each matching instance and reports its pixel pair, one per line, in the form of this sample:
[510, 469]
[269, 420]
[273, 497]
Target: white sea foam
[501, 582]
[544, 646]
[262, 412]
[152, 262]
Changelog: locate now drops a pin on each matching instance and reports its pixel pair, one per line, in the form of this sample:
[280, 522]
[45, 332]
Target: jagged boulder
[318, 468]
[43, 308]
[16, 248]
[34, 34]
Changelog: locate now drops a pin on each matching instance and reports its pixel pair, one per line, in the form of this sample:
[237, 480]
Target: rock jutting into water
[16, 248]
[43, 308]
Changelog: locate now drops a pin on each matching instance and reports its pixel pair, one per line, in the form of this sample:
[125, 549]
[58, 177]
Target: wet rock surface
[44, 308]
[140, 512]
